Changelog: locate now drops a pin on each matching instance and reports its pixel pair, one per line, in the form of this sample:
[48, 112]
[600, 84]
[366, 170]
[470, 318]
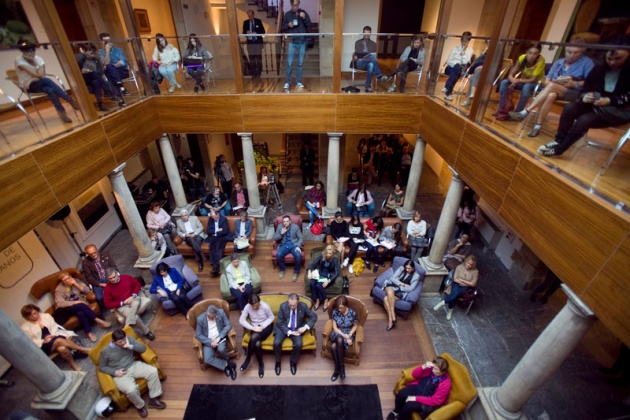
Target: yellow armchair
[352, 353]
[463, 391]
[193, 314]
[108, 386]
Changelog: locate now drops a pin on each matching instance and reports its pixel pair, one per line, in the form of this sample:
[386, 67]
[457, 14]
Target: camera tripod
[272, 189]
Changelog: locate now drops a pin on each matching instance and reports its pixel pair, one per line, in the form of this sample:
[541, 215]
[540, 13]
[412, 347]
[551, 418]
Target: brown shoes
[157, 404]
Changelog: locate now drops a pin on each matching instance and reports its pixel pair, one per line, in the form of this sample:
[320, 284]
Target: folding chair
[132, 78]
[19, 106]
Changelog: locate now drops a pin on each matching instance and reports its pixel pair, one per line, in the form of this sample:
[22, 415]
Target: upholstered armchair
[334, 289]
[402, 307]
[289, 259]
[223, 281]
[463, 391]
[49, 283]
[108, 386]
[177, 262]
[352, 353]
[201, 308]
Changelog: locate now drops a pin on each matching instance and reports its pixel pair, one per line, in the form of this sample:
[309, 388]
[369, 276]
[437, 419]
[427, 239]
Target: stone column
[57, 388]
[137, 228]
[435, 270]
[175, 181]
[542, 359]
[255, 209]
[407, 210]
[333, 171]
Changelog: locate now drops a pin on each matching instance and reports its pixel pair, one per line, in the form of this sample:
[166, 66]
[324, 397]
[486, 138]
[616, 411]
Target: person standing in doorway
[295, 21]
[255, 44]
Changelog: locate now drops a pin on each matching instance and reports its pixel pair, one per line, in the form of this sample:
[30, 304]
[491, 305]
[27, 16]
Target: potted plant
[261, 160]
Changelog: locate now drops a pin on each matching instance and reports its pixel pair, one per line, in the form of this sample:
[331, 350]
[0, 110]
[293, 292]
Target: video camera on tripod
[272, 178]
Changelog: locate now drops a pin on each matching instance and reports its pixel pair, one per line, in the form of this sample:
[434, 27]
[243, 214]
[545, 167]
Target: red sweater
[115, 294]
[441, 393]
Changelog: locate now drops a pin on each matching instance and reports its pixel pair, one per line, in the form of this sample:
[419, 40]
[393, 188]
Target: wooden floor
[383, 354]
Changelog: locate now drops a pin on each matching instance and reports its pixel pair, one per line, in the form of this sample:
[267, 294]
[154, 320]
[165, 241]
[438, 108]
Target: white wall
[357, 14]
[556, 26]
[309, 6]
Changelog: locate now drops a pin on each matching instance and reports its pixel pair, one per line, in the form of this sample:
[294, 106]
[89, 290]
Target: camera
[272, 178]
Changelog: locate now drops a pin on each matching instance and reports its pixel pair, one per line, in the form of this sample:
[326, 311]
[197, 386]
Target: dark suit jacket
[258, 29]
[223, 325]
[233, 201]
[89, 271]
[223, 224]
[284, 316]
[248, 228]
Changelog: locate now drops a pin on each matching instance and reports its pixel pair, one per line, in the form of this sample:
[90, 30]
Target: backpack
[318, 227]
[358, 266]
[503, 113]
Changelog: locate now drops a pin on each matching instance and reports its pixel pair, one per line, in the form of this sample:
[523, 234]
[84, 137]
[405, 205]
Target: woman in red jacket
[428, 392]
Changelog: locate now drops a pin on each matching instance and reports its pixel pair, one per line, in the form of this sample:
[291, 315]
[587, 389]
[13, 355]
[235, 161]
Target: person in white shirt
[459, 57]
[260, 326]
[416, 229]
[168, 57]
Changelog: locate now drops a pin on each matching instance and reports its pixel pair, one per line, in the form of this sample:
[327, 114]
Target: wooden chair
[289, 259]
[463, 390]
[108, 386]
[192, 316]
[352, 353]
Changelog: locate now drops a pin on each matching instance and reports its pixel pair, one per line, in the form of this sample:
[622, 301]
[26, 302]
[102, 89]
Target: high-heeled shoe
[390, 327]
[334, 376]
[394, 322]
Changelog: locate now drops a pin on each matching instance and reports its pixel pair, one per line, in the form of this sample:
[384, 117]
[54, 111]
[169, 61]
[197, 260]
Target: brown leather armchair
[463, 391]
[48, 285]
[352, 353]
[199, 309]
[108, 386]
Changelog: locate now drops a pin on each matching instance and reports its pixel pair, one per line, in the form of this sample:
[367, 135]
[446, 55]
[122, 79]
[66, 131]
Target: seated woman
[158, 243]
[475, 70]
[395, 200]
[372, 230]
[339, 229]
[169, 284]
[604, 102]
[428, 392]
[465, 278]
[345, 324]
[243, 228]
[361, 202]
[404, 281]
[195, 58]
[411, 58]
[49, 336]
[314, 200]
[160, 220]
[524, 75]
[390, 242]
[456, 61]
[216, 201]
[357, 238]
[324, 270]
[70, 296]
[260, 325]
[239, 279]
[416, 230]
[167, 56]
[263, 184]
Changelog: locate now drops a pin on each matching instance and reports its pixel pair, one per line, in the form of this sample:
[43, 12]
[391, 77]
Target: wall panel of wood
[442, 129]
[199, 114]
[289, 113]
[378, 113]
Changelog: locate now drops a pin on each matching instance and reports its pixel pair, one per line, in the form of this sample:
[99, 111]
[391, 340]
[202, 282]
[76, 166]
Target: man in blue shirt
[564, 81]
[295, 21]
[115, 62]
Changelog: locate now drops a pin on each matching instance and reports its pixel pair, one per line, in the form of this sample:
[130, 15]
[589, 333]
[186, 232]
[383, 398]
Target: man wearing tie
[253, 26]
[219, 234]
[294, 319]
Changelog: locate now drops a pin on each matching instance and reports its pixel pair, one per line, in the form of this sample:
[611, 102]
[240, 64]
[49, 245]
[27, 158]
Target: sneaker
[295, 277]
[448, 97]
[368, 89]
[178, 86]
[467, 102]
[392, 88]
[449, 314]
[548, 146]
[443, 90]
[281, 274]
[367, 265]
[534, 131]
[309, 226]
[103, 108]
[124, 91]
[121, 102]
[516, 116]
[345, 262]
[385, 78]
[202, 86]
[171, 89]
[350, 269]
[549, 152]
[196, 89]
[300, 85]
[286, 86]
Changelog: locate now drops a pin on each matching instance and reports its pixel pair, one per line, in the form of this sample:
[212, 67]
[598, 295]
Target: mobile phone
[597, 96]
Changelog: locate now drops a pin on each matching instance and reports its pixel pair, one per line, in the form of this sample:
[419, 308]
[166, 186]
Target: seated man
[240, 280]
[240, 198]
[292, 322]
[365, 59]
[289, 238]
[93, 269]
[121, 295]
[190, 229]
[564, 81]
[457, 251]
[219, 234]
[243, 229]
[216, 201]
[459, 57]
[118, 360]
[115, 62]
[158, 186]
[92, 71]
[212, 330]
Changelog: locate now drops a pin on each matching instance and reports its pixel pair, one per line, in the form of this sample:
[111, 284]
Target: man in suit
[219, 234]
[294, 319]
[243, 228]
[212, 330]
[289, 238]
[190, 229]
[93, 269]
[253, 26]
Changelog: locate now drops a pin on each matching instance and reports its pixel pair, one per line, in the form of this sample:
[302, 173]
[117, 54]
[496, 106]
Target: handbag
[241, 243]
[613, 114]
[318, 227]
[503, 113]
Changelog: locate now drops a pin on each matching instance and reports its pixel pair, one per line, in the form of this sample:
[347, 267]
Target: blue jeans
[195, 73]
[300, 48]
[456, 291]
[50, 88]
[369, 213]
[285, 249]
[527, 89]
[312, 212]
[370, 65]
[242, 297]
[116, 74]
[453, 74]
[168, 72]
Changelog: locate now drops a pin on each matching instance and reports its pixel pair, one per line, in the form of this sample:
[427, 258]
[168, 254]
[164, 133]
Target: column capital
[117, 171]
[245, 134]
[455, 176]
[334, 134]
[576, 305]
[165, 136]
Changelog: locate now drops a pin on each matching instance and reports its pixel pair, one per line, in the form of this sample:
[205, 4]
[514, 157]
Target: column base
[404, 214]
[258, 213]
[189, 207]
[147, 262]
[486, 408]
[328, 213]
[59, 399]
[434, 275]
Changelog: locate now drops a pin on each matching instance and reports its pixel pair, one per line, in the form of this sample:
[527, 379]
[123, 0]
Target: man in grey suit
[212, 330]
[191, 231]
[243, 228]
[294, 319]
[289, 238]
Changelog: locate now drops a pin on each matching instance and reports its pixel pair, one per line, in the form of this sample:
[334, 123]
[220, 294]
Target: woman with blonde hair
[465, 278]
[322, 272]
